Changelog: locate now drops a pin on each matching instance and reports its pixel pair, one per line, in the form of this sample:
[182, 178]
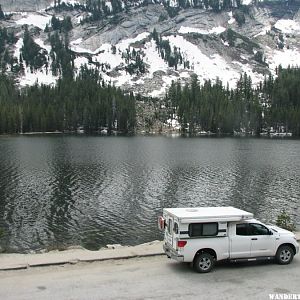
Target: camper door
[172, 231]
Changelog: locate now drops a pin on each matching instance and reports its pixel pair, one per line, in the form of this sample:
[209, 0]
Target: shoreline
[170, 133]
[16, 261]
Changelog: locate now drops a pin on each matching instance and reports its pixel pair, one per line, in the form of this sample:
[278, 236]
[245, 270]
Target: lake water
[58, 191]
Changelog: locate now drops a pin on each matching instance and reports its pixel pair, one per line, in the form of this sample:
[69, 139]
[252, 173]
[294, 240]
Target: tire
[284, 255]
[204, 263]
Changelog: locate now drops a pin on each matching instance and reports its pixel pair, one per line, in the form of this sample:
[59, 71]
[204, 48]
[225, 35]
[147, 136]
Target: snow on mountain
[246, 2]
[42, 44]
[18, 46]
[106, 56]
[288, 26]
[285, 58]
[33, 5]
[153, 59]
[206, 67]
[201, 36]
[75, 46]
[124, 44]
[264, 31]
[31, 77]
[36, 19]
[216, 30]
[80, 61]
[72, 2]
[232, 19]
[37, 77]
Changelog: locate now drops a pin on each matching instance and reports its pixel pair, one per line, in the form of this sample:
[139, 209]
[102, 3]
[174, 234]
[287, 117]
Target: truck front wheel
[284, 255]
[204, 263]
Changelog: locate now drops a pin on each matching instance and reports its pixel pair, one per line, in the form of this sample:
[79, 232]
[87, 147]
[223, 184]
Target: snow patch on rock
[36, 19]
[124, 44]
[153, 59]
[264, 31]
[37, 77]
[43, 45]
[232, 19]
[285, 58]
[206, 67]
[288, 26]
[215, 30]
[19, 45]
[247, 2]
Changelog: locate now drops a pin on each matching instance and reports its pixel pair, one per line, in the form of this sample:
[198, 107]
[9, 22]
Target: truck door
[262, 240]
[240, 241]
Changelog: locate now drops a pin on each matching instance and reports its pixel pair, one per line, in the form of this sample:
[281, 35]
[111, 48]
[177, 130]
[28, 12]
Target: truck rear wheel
[203, 263]
[284, 255]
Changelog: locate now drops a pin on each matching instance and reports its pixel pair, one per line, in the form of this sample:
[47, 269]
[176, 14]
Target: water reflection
[92, 191]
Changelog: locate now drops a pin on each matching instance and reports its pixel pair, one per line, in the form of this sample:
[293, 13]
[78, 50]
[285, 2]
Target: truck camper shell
[208, 214]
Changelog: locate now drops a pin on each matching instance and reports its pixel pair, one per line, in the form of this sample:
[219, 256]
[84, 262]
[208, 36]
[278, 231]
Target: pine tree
[32, 53]
[2, 16]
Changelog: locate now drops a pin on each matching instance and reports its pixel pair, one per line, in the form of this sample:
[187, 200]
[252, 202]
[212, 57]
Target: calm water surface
[65, 190]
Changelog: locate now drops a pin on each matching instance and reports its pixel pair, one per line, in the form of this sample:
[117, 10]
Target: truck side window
[203, 229]
[242, 229]
[258, 229]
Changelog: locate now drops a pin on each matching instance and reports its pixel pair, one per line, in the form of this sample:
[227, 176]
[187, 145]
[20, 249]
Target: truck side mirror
[270, 232]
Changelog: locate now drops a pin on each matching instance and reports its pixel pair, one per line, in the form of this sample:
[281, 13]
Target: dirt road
[149, 278]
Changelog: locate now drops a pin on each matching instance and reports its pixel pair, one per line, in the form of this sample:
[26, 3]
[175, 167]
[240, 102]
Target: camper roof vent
[191, 209]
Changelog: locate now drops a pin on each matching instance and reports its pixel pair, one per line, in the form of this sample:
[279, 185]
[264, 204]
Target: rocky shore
[14, 261]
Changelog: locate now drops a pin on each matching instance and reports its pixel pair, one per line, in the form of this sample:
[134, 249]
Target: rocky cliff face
[144, 47]
[24, 5]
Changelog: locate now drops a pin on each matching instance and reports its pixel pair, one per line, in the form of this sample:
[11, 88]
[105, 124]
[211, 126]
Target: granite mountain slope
[144, 46]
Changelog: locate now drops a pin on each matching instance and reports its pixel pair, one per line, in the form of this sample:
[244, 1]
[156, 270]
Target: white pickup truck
[205, 235]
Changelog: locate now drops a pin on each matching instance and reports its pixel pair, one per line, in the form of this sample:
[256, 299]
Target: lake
[59, 191]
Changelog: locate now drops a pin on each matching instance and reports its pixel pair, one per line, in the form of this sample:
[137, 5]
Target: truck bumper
[172, 254]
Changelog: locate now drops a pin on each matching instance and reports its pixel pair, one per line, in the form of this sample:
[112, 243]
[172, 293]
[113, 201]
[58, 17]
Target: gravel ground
[150, 278]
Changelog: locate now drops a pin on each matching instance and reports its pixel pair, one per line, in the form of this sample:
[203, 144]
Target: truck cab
[209, 234]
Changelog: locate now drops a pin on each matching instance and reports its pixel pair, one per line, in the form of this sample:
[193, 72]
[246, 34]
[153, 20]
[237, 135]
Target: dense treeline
[85, 102]
[7, 38]
[211, 107]
[63, 25]
[61, 56]
[284, 100]
[275, 105]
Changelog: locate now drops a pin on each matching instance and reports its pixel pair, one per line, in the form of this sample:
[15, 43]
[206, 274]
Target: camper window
[203, 229]
[175, 229]
[170, 226]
